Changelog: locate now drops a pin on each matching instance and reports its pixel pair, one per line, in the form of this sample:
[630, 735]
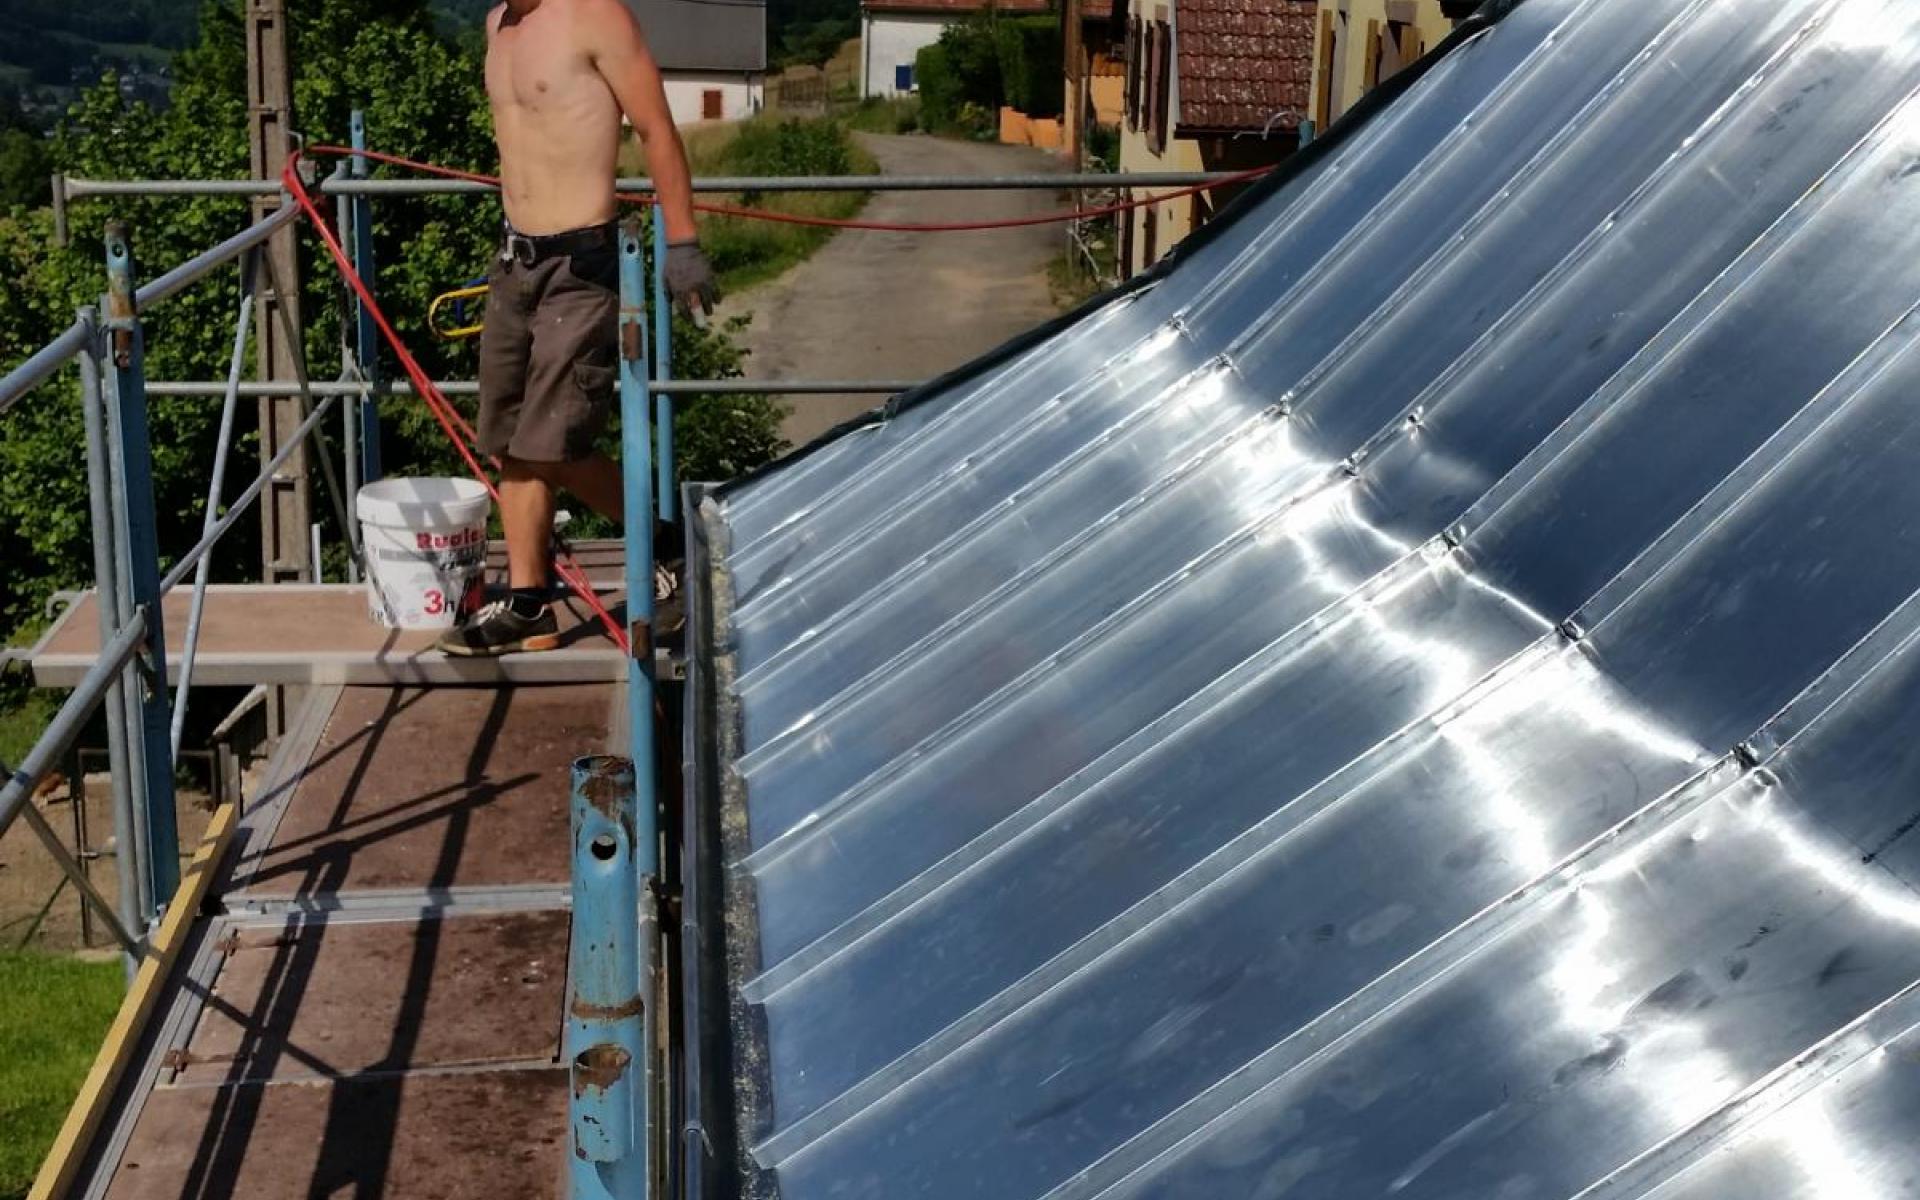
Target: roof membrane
[1414, 700]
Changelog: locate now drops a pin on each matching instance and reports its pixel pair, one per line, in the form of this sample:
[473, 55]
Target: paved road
[875, 305]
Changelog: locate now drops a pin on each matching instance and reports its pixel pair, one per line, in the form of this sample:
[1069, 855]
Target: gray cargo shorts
[549, 349]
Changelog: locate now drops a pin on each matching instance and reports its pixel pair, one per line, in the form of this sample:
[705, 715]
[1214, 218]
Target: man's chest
[531, 69]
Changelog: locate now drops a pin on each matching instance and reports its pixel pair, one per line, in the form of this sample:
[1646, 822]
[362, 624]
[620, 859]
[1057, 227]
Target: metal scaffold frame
[145, 724]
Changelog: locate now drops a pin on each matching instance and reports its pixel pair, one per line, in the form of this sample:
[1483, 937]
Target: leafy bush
[985, 62]
[791, 147]
[744, 251]
[1103, 148]
[940, 96]
[1030, 56]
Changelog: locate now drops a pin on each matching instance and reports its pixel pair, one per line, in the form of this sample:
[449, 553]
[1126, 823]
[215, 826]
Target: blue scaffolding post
[662, 364]
[144, 689]
[606, 1008]
[366, 347]
[636, 461]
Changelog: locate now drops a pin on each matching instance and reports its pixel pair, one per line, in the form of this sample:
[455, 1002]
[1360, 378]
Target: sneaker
[669, 613]
[497, 629]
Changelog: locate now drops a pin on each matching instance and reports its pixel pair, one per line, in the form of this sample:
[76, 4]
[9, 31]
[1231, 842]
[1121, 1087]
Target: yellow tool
[458, 298]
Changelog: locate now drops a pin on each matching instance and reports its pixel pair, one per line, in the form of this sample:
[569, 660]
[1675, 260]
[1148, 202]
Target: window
[713, 105]
[903, 77]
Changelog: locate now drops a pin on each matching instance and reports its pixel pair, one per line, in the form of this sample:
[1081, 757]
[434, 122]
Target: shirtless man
[559, 75]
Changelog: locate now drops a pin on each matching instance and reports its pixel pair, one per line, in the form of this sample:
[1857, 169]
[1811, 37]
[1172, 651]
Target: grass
[744, 251]
[55, 1014]
[900, 114]
[22, 721]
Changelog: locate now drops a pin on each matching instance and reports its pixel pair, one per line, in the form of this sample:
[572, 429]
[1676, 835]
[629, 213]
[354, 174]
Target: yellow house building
[1210, 85]
[1359, 44]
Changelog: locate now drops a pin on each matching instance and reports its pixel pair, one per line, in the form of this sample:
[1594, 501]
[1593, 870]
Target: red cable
[443, 410]
[756, 214]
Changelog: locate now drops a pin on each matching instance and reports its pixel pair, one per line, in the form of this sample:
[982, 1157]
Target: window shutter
[1133, 73]
[1162, 84]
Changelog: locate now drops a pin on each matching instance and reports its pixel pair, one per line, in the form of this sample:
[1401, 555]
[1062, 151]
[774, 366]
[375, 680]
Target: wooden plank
[69, 1152]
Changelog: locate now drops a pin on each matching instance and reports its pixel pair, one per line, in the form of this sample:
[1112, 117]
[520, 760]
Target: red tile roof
[958, 8]
[1244, 64]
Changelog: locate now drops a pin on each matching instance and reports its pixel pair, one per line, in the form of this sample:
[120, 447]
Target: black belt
[528, 249]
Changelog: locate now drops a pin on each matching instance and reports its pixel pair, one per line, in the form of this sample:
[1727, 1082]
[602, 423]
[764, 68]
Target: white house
[893, 32]
[712, 55]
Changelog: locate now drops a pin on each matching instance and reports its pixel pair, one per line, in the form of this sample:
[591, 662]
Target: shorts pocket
[593, 384]
[595, 381]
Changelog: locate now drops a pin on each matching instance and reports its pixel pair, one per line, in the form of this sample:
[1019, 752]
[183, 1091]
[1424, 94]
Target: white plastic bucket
[426, 549]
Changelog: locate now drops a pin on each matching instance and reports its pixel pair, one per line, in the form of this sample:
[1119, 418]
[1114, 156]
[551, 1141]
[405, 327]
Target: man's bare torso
[555, 120]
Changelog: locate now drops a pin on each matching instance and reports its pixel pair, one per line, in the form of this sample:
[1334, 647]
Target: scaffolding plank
[315, 999]
[449, 1137]
[321, 634]
[429, 789]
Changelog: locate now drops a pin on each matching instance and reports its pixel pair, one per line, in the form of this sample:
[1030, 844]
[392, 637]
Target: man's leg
[596, 480]
[526, 512]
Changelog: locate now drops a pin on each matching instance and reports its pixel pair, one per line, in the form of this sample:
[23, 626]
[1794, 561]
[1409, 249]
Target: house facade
[1360, 44]
[1210, 85]
[893, 32]
[712, 56]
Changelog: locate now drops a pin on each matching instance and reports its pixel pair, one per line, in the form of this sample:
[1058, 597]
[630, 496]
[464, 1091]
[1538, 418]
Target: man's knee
[520, 470]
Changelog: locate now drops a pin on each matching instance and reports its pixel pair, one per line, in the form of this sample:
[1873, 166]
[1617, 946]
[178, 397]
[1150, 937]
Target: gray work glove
[690, 277]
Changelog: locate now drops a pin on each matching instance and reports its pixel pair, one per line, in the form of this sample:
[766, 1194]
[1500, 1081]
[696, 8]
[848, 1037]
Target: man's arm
[620, 54]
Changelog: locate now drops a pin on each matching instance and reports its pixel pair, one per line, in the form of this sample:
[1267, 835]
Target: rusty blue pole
[606, 1008]
[662, 366]
[131, 451]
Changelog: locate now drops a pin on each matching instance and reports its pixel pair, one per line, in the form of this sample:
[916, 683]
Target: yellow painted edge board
[123, 1037]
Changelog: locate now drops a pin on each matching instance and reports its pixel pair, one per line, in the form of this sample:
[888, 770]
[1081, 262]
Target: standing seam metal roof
[1415, 700]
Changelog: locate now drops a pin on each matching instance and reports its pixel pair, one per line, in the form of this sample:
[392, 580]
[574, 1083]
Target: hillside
[55, 44]
[50, 47]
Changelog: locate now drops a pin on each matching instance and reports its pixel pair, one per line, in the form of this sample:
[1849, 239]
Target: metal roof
[705, 35]
[1416, 700]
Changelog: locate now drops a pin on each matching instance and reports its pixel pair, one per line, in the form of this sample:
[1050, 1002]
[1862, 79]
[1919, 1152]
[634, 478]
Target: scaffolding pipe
[246, 498]
[106, 570]
[606, 1010]
[190, 272]
[42, 364]
[636, 464]
[80, 189]
[366, 334]
[223, 441]
[68, 723]
[662, 372]
[213, 389]
[137, 548]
